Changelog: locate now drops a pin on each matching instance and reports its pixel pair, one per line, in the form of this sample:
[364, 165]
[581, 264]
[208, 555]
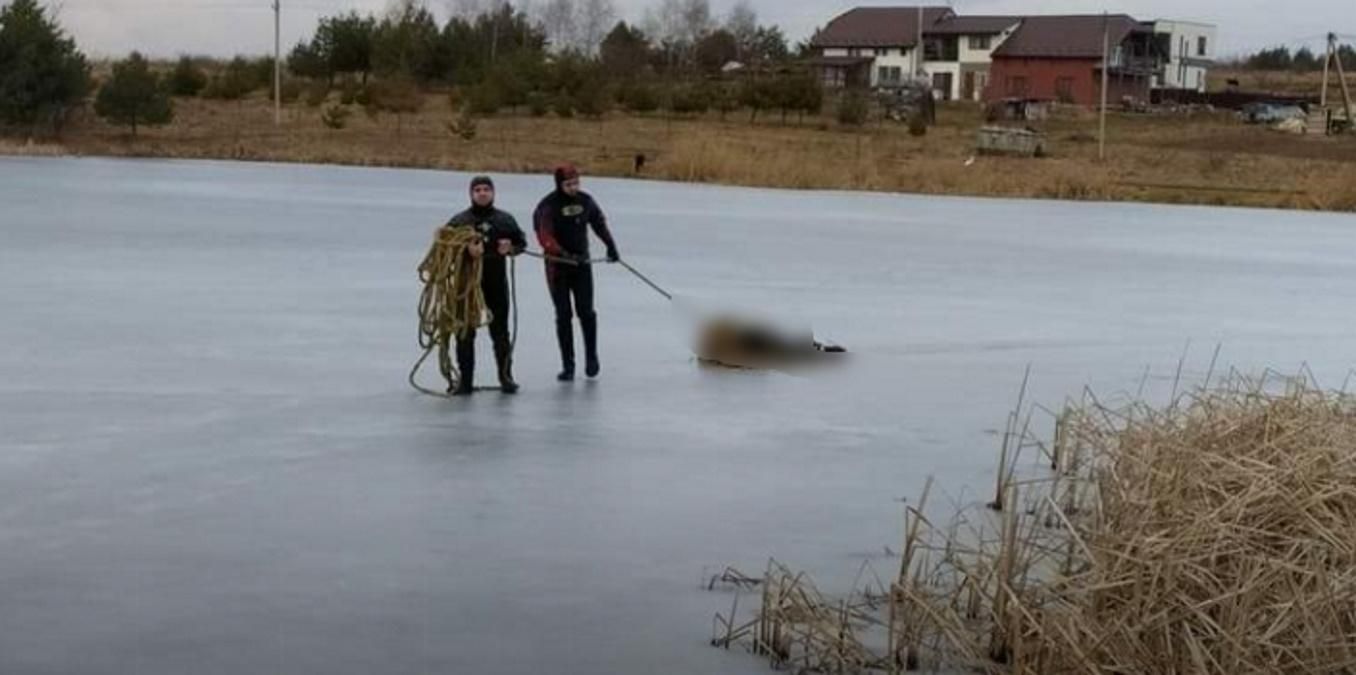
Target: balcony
[1134, 64]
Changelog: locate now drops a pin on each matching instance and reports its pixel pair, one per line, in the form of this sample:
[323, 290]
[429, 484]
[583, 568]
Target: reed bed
[1216, 534]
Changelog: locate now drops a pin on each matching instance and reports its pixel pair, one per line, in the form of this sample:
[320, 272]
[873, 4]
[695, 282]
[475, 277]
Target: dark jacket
[562, 225]
[493, 225]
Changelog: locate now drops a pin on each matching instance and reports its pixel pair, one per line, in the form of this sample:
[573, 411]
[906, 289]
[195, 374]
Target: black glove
[613, 255]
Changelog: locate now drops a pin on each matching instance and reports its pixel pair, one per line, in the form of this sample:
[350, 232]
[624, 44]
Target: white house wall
[967, 59]
[901, 58]
[897, 57]
[942, 67]
[979, 56]
[1181, 71]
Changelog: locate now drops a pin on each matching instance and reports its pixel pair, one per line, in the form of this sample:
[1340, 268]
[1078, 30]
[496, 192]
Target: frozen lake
[210, 461]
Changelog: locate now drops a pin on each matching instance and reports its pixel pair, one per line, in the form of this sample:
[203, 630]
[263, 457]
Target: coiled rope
[452, 303]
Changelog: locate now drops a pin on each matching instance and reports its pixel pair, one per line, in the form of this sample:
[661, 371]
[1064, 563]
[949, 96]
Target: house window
[889, 75]
[979, 42]
[1064, 89]
[941, 49]
[1017, 85]
[1200, 46]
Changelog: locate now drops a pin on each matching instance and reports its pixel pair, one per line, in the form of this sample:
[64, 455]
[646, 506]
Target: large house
[872, 46]
[1059, 58]
[996, 57]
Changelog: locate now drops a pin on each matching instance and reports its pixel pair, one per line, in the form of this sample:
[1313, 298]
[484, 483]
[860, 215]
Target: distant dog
[742, 343]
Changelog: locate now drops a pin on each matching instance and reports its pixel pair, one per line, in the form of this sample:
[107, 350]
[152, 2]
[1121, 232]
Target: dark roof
[973, 25]
[839, 60]
[878, 27]
[1065, 37]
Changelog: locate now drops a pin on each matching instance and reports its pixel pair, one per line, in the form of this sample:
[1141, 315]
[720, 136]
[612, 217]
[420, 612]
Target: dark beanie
[481, 180]
[565, 172]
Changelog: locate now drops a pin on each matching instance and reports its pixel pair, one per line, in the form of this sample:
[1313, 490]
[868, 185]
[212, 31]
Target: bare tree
[696, 20]
[665, 22]
[742, 23]
[558, 22]
[595, 19]
[467, 9]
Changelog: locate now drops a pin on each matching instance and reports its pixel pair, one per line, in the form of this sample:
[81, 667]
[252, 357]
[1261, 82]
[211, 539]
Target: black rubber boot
[589, 325]
[503, 356]
[466, 363]
[565, 337]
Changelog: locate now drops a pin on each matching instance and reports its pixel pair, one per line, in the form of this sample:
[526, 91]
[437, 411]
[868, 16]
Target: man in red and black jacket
[562, 221]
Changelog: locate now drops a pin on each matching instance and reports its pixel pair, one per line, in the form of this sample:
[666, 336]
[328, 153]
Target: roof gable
[878, 27]
[1069, 36]
[973, 25]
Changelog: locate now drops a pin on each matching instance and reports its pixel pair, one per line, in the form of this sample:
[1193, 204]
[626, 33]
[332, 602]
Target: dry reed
[1213, 535]
[29, 148]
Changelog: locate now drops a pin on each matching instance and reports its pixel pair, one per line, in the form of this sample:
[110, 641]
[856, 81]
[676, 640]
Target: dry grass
[1201, 159]
[1275, 81]
[29, 148]
[1213, 535]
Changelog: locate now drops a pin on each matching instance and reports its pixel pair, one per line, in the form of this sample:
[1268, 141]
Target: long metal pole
[1106, 59]
[918, 56]
[1327, 63]
[1342, 78]
[277, 63]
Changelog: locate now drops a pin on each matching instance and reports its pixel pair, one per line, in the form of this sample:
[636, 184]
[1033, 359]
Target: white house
[958, 51]
[878, 47]
[872, 46]
[1189, 50]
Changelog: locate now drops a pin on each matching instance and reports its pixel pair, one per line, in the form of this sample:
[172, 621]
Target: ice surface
[210, 461]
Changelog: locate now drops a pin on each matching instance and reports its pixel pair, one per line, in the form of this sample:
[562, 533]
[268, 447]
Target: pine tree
[133, 96]
[42, 74]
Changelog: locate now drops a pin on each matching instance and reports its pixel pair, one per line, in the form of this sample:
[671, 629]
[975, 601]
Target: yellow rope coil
[452, 303]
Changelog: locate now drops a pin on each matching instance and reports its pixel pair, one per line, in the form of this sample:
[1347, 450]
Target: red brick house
[1059, 58]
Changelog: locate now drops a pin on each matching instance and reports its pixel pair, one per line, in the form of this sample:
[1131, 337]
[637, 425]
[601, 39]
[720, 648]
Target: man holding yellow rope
[500, 239]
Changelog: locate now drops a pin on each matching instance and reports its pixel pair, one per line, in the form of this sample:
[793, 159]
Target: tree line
[1299, 60]
[567, 57]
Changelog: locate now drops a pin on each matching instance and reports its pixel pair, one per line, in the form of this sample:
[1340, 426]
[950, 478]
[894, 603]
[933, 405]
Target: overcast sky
[226, 27]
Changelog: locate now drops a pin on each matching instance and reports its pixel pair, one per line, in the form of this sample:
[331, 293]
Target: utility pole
[1106, 62]
[1327, 63]
[1342, 78]
[277, 63]
[918, 52]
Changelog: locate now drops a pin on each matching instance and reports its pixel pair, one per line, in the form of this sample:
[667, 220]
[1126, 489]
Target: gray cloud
[224, 27]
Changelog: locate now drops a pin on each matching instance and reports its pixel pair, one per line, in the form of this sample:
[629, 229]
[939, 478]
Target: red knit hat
[565, 171]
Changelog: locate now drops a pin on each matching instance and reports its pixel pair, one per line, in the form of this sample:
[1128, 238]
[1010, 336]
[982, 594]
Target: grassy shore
[1202, 159]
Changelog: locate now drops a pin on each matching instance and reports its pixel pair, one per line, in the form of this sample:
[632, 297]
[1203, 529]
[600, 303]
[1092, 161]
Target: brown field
[1202, 158]
[1278, 82]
